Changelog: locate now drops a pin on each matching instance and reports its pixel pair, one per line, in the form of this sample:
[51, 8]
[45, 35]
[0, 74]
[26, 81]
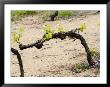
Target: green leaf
[48, 29]
[16, 37]
[61, 28]
[82, 27]
[48, 36]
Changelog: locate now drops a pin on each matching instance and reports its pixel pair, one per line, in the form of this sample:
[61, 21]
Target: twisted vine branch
[62, 35]
[19, 60]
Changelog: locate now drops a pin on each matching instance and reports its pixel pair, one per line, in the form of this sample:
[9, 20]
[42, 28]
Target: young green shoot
[48, 32]
[82, 27]
[61, 28]
[17, 35]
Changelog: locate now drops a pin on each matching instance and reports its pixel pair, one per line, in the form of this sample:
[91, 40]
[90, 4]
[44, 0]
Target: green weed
[65, 14]
[81, 66]
[18, 14]
[95, 53]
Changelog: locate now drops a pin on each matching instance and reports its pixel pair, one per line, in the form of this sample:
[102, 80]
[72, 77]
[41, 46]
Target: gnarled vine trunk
[15, 51]
[62, 35]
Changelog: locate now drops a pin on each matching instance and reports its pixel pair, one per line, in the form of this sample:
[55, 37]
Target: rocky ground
[57, 57]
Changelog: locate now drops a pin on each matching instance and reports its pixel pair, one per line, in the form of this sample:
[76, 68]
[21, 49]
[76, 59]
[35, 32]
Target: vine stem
[15, 51]
[62, 35]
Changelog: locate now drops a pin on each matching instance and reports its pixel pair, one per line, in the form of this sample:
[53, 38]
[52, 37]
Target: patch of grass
[95, 53]
[17, 14]
[82, 66]
[44, 14]
[65, 14]
[77, 68]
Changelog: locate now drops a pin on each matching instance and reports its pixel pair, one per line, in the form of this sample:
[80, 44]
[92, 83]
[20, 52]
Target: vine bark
[15, 51]
[62, 35]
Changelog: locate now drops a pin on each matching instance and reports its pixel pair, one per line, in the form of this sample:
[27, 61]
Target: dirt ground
[57, 57]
